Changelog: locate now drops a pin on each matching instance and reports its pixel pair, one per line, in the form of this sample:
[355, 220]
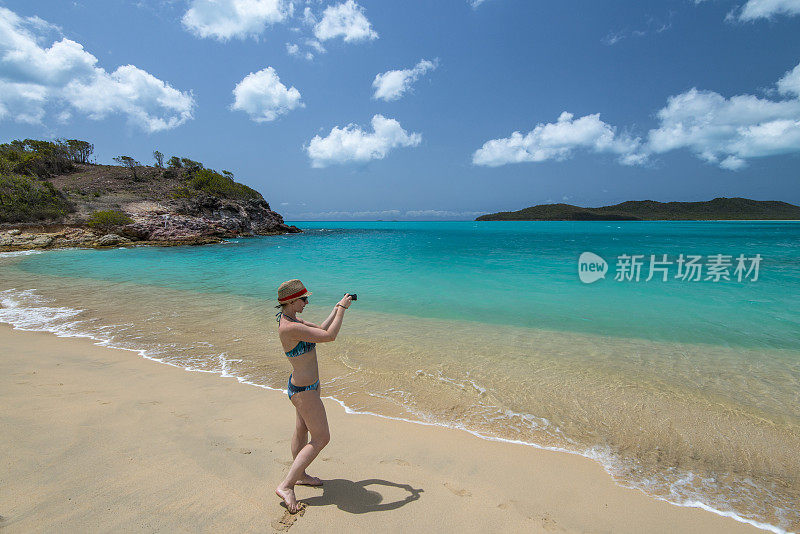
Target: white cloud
[262, 96]
[23, 102]
[334, 215]
[728, 131]
[308, 17]
[226, 19]
[765, 9]
[444, 214]
[352, 143]
[475, 3]
[316, 45]
[388, 214]
[344, 20]
[789, 84]
[732, 163]
[613, 38]
[558, 140]
[391, 85]
[292, 49]
[719, 130]
[651, 26]
[133, 92]
[65, 75]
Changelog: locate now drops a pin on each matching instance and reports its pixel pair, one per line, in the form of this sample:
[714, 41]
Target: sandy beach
[97, 440]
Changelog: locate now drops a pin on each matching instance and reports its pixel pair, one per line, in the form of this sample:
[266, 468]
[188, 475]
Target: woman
[298, 338]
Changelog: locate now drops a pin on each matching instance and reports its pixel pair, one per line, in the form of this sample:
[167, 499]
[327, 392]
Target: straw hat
[292, 290]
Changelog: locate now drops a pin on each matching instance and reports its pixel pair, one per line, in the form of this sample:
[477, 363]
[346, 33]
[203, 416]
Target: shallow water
[687, 390]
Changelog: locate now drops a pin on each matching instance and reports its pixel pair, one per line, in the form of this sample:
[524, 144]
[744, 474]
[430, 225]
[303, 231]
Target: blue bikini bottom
[292, 389]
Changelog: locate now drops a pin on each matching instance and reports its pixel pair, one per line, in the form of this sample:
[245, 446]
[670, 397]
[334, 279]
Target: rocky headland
[59, 203]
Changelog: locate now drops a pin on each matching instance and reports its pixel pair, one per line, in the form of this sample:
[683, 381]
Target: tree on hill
[79, 151]
[159, 157]
[191, 166]
[129, 162]
[32, 157]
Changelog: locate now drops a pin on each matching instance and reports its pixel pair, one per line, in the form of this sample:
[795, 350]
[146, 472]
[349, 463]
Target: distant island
[53, 196]
[649, 210]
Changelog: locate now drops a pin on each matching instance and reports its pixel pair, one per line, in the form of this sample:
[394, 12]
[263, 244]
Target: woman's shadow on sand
[355, 498]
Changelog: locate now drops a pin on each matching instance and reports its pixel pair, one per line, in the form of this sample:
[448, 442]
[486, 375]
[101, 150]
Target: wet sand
[98, 439]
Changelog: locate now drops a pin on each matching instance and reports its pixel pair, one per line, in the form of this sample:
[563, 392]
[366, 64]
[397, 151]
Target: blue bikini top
[302, 347]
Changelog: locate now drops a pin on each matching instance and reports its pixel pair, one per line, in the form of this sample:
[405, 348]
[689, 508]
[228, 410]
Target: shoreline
[482, 463]
[71, 237]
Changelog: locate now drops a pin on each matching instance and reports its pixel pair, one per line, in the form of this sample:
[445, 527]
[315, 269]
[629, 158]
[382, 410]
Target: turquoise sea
[687, 389]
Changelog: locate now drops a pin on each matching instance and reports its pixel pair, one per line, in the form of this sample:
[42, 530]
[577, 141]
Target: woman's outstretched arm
[325, 324]
[303, 332]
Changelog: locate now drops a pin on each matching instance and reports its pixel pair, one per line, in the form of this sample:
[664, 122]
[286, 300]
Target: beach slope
[96, 439]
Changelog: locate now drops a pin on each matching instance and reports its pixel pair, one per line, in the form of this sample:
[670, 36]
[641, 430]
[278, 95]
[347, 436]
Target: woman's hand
[346, 300]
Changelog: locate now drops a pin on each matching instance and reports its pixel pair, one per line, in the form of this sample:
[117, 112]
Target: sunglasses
[304, 299]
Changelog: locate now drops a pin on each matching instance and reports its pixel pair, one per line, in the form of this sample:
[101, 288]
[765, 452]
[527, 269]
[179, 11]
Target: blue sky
[422, 110]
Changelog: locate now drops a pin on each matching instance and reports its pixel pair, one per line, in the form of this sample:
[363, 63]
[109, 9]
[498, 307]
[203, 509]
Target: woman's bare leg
[299, 440]
[300, 436]
[312, 411]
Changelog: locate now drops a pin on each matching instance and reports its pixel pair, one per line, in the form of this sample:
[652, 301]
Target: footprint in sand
[506, 505]
[224, 420]
[330, 459]
[398, 461]
[457, 491]
[287, 463]
[240, 451]
[547, 522]
[285, 523]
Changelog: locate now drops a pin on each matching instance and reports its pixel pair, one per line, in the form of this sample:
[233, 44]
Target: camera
[355, 297]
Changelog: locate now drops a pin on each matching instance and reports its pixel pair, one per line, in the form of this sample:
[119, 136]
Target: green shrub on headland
[25, 166]
[212, 183]
[197, 179]
[215, 184]
[24, 198]
[44, 159]
[108, 220]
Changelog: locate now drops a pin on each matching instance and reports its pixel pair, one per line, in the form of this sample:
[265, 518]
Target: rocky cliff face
[202, 217]
[160, 217]
[252, 216]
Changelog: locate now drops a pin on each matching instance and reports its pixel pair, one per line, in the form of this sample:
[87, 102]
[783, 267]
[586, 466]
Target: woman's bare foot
[287, 494]
[308, 480]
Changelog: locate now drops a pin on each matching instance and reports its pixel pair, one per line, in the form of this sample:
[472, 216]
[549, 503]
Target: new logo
[591, 267]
